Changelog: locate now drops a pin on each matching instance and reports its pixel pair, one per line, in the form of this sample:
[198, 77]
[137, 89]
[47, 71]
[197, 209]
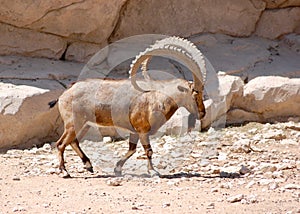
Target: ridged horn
[178, 49]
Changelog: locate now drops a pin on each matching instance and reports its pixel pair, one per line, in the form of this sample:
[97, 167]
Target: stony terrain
[248, 169]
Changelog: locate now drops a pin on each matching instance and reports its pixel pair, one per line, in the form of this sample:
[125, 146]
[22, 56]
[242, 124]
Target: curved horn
[175, 48]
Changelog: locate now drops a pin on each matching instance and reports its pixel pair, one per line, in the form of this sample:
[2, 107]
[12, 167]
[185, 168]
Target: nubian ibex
[139, 106]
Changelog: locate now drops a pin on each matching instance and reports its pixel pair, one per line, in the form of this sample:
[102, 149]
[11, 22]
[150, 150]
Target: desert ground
[253, 168]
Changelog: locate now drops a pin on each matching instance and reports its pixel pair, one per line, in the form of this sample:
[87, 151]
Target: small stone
[222, 156]
[135, 208]
[251, 199]
[277, 174]
[226, 185]
[114, 182]
[46, 205]
[204, 163]
[235, 198]
[265, 182]
[80, 170]
[241, 146]
[171, 183]
[250, 184]
[244, 201]
[46, 147]
[253, 131]
[52, 171]
[19, 209]
[292, 186]
[229, 174]
[289, 142]
[211, 206]
[275, 134]
[244, 170]
[166, 205]
[214, 190]
[267, 167]
[16, 178]
[196, 155]
[107, 140]
[273, 186]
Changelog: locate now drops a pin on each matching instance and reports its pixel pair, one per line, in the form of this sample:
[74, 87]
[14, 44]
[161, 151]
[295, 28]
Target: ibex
[124, 104]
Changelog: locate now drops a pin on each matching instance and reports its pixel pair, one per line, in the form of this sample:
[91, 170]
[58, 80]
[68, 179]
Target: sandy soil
[268, 182]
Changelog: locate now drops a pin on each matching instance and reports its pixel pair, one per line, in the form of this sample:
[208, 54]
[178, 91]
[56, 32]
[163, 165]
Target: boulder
[275, 23]
[282, 3]
[26, 119]
[81, 51]
[228, 88]
[186, 18]
[74, 29]
[177, 125]
[30, 43]
[90, 20]
[267, 99]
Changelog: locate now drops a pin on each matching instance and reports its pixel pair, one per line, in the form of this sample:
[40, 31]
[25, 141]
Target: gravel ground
[248, 169]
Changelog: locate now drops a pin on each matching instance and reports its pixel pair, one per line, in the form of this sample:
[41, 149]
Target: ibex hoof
[118, 172]
[153, 173]
[65, 174]
[90, 169]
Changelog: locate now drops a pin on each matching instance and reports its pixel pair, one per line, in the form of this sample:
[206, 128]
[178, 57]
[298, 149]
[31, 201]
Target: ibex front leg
[148, 151]
[133, 139]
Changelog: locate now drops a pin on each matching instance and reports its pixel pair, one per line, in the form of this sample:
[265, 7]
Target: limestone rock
[268, 98]
[45, 29]
[231, 17]
[29, 43]
[238, 116]
[281, 3]
[235, 198]
[227, 89]
[177, 125]
[275, 23]
[81, 51]
[14, 12]
[26, 119]
[91, 20]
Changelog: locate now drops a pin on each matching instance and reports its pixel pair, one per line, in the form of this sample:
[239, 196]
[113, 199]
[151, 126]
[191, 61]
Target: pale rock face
[267, 98]
[229, 89]
[43, 29]
[81, 51]
[25, 116]
[29, 43]
[189, 17]
[73, 29]
[275, 23]
[91, 20]
[282, 3]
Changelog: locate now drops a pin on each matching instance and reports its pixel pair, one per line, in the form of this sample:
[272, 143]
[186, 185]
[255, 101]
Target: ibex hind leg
[133, 139]
[75, 145]
[67, 137]
[86, 161]
[148, 151]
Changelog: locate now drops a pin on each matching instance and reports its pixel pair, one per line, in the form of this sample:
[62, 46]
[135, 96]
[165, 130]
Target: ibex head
[182, 51]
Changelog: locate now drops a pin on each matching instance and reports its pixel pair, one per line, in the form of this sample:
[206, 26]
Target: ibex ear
[191, 85]
[182, 89]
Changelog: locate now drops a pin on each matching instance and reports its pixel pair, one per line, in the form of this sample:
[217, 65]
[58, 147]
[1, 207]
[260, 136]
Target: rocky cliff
[76, 29]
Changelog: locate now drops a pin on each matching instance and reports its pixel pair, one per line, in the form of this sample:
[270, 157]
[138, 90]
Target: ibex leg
[133, 139]
[148, 151]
